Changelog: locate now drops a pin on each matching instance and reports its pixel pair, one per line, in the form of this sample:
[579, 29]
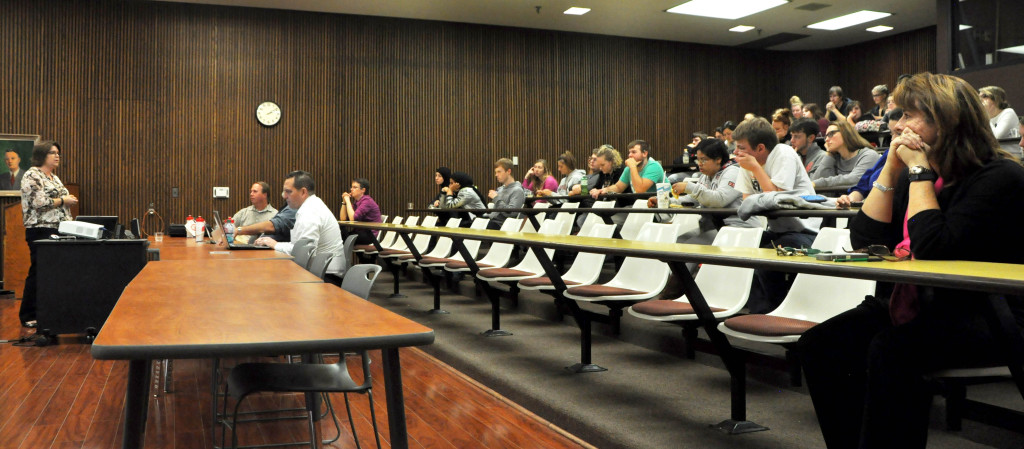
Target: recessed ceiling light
[879, 28]
[741, 28]
[725, 9]
[849, 20]
[1018, 49]
[577, 11]
[965, 27]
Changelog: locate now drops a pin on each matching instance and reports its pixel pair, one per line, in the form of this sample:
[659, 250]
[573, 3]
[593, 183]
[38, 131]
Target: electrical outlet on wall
[515, 160]
[175, 192]
[220, 192]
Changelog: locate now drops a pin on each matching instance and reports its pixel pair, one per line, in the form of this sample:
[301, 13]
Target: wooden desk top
[245, 271]
[979, 276]
[166, 320]
[182, 248]
[717, 211]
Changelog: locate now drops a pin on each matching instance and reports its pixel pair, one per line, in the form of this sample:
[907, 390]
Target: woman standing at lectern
[44, 204]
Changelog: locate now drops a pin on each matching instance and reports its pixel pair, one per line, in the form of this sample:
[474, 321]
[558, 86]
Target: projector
[81, 229]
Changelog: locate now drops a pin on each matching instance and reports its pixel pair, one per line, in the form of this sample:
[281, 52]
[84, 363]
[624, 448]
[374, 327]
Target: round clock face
[268, 113]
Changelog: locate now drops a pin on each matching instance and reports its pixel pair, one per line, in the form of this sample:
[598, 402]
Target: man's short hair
[363, 183]
[504, 163]
[838, 91]
[644, 146]
[756, 131]
[302, 180]
[264, 187]
[806, 126]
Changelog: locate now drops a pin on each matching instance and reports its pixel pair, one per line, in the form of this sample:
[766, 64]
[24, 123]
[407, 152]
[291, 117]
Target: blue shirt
[864, 185]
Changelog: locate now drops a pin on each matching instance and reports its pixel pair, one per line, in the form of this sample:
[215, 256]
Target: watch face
[268, 113]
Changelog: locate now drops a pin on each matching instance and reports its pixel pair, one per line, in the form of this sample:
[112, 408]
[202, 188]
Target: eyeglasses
[790, 251]
[897, 255]
[829, 134]
[703, 160]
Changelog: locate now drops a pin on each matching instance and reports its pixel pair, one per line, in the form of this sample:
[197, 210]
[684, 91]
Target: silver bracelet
[881, 187]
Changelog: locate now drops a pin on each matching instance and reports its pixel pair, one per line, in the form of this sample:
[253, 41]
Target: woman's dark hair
[729, 125]
[964, 136]
[814, 110]
[364, 183]
[569, 161]
[713, 149]
[41, 150]
[851, 138]
[446, 174]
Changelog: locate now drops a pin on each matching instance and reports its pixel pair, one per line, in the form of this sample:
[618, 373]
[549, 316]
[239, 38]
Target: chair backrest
[473, 246]
[399, 243]
[387, 238]
[344, 256]
[587, 266]
[302, 250]
[360, 278]
[567, 218]
[729, 287]
[443, 246]
[537, 205]
[318, 264]
[422, 241]
[500, 253]
[635, 222]
[530, 262]
[686, 223]
[818, 298]
[594, 219]
[646, 274]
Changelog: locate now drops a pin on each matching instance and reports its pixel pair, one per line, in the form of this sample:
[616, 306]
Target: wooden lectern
[15, 251]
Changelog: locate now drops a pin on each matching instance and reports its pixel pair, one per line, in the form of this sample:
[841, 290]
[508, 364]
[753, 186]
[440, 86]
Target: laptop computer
[233, 245]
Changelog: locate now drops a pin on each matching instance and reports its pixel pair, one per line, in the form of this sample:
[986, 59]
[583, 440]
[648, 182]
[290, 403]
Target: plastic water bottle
[584, 188]
[190, 226]
[200, 229]
[229, 230]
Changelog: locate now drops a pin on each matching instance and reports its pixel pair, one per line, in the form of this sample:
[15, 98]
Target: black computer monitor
[107, 221]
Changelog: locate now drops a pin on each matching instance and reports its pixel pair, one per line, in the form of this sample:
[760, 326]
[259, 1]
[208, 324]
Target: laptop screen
[217, 232]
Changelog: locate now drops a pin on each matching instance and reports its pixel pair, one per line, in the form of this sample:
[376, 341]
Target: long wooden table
[180, 248]
[994, 278]
[160, 315]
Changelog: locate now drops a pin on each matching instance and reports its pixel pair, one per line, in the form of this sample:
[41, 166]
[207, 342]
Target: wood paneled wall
[146, 96]
[857, 68]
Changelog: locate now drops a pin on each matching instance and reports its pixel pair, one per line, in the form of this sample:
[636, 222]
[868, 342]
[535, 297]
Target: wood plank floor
[59, 397]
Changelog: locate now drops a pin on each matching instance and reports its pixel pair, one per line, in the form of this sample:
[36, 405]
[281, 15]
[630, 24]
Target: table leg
[136, 402]
[396, 402]
[732, 358]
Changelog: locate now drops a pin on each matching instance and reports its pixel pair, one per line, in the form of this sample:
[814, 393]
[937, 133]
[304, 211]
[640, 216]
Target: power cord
[150, 212]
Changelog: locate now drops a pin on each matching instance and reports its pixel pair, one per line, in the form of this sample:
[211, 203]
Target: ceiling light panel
[575, 11]
[741, 28]
[879, 28]
[725, 9]
[849, 20]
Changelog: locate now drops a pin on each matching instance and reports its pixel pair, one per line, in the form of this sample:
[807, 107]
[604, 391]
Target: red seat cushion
[768, 326]
[392, 252]
[596, 291]
[406, 257]
[365, 248]
[661, 307]
[503, 273]
[434, 261]
[460, 265]
[542, 281]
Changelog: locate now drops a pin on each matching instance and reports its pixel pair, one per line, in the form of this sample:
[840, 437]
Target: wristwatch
[920, 173]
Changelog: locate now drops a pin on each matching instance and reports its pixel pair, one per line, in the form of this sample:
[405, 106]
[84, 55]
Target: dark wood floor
[59, 397]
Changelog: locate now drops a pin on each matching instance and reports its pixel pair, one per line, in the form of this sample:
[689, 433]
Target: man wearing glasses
[313, 220]
[770, 166]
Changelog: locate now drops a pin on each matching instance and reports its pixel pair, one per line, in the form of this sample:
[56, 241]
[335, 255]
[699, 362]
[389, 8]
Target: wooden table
[232, 317]
[183, 248]
[206, 271]
[994, 278]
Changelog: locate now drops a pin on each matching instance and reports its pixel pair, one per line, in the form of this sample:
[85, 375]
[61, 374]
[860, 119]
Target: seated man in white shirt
[313, 220]
[771, 166]
[260, 210]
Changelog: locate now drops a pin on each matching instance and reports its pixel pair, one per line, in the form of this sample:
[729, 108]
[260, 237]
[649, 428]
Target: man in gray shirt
[509, 194]
[260, 210]
[802, 134]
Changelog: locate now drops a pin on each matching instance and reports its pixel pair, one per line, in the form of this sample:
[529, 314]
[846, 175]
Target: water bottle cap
[189, 217]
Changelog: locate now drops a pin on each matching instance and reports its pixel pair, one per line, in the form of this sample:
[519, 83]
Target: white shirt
[316, 222]
[1004, 125]
[787, 172]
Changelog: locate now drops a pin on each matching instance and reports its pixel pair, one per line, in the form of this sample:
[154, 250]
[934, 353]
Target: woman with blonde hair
[539, 178]
[945, 192]
[1001, 116]
[797, 106]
